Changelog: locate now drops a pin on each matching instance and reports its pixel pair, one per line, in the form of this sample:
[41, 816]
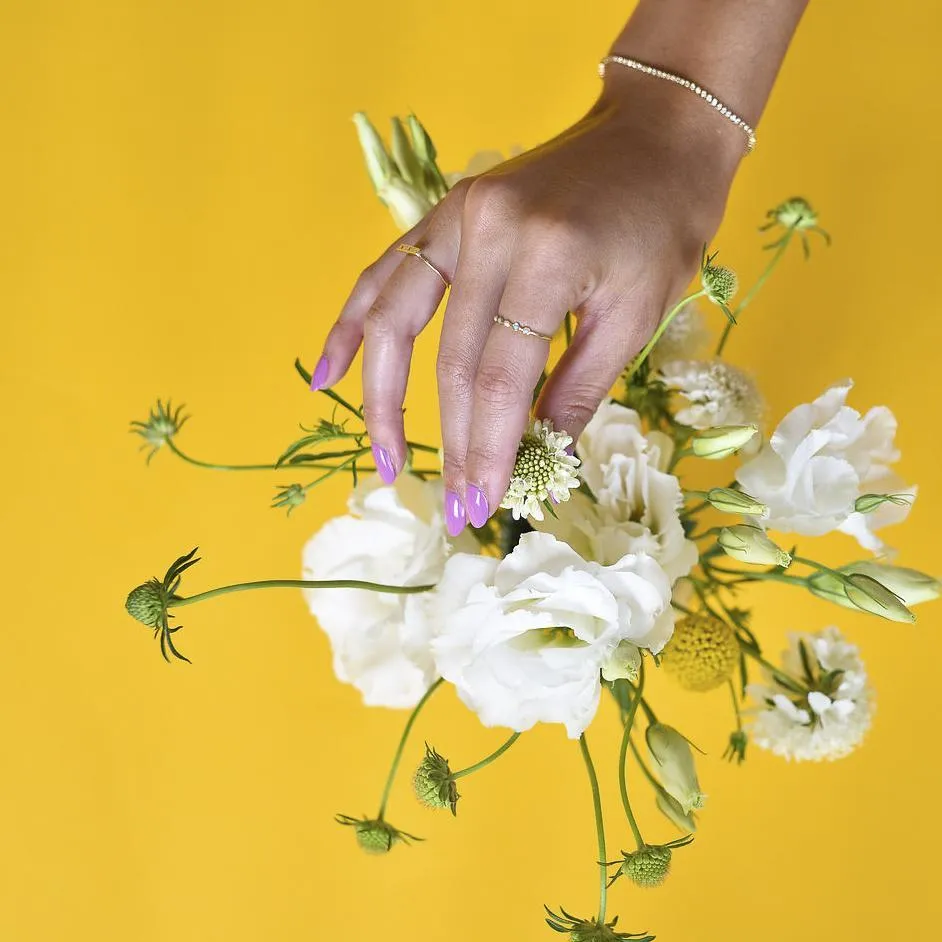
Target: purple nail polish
[454, 513]
[478, 511]
[320, 374]
[384, 465]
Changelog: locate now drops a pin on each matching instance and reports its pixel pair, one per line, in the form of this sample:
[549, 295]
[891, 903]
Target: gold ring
[407, 249]
[521, 328]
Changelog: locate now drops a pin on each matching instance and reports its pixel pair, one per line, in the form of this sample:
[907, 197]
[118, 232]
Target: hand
[608, 221]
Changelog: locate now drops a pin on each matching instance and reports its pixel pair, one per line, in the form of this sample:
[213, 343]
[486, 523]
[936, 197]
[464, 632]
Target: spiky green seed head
[146, 603]
[719, 282]
[433, 783]
[648, 866]
[795, 213]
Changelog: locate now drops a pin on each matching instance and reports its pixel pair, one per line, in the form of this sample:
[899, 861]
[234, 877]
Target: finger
[346, 334]
[507, 375]
[404, 305]
[480, 277]
[604, 343]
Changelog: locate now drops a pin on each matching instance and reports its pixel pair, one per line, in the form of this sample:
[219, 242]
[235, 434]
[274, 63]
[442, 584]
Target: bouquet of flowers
[601, 565]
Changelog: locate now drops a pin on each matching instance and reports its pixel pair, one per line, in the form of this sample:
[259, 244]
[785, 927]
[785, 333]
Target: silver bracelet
[712, 100]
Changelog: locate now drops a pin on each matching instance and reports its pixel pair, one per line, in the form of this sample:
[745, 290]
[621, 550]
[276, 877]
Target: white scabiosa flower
[684, 337]
[392, 535]
[524, 638]
[828, 721]
[822, 457]
[543, 470]
[713, 393]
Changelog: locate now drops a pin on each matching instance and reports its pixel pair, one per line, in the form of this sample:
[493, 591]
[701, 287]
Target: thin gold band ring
[414, 250]
[524, 329]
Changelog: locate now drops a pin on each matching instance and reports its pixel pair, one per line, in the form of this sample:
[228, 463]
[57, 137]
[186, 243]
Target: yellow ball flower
[702, 654]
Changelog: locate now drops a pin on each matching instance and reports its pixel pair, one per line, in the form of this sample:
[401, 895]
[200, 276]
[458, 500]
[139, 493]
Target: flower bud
[146, 603]
[868, 503]
[379, 164]
[670, 808]
[673, 761]
[910, 585]
[374, 835]
[433, 783]
[723, 441]
[731, 501]
[623, 663]
[648, 866]
[719, 282]
[870, 596]
[750, 545]
[795, 213]
[702, 653]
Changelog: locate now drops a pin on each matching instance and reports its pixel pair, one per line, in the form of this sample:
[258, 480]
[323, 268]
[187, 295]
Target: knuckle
[498, 383]
[380, 319]
[487, 199]
[369, 282]
[455, 372]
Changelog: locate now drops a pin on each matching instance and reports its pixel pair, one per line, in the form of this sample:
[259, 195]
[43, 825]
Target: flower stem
[340, 467]
[487, 760]
[735, 699]
[623, 758]
[397, 758]
[219, 467]
[599, 827]
[301, 584]
[754, 290]
[784, 678]
[649, 346]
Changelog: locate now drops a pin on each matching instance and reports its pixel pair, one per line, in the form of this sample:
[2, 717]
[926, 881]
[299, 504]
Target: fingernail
[384, 465]
[454, 513]
[320, 374]
[477, 506]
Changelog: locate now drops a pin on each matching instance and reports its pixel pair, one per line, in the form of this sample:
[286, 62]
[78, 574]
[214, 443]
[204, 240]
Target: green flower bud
[750, 545]
[648, 866]
[870, 596]
[146, 603]
[379, 165]
[623, 663]
[910, 585]
[374, 835]
[736, 748]
[290, 497]
[433, 783]
[731, 501]
[673, 761]
[795, 213]
[719, 282]
[670, 808]
[722, 441]
[868, 503]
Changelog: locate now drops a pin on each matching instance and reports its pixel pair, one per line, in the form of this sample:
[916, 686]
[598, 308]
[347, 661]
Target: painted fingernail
[320, 374]
[478, 511]
[454, 513]
[384, 465]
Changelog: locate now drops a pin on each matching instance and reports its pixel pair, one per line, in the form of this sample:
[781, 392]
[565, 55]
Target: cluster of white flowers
[715, 393]
[832, 717]
[823, 457]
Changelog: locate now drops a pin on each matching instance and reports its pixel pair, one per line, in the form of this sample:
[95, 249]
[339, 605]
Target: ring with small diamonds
[519, 328]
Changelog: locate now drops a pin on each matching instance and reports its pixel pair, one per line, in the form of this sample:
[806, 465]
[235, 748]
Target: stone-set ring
[519, 328]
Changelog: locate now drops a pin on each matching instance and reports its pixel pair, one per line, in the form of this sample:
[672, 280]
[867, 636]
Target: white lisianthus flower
[524, 638]
[830, 720]
[638, 501]
[392, 535]
[822, 457]
[715, 393]
[684, 337]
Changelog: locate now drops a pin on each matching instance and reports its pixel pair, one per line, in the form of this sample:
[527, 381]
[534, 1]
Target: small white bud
[750, 545]
[672, 758]
[723, 441]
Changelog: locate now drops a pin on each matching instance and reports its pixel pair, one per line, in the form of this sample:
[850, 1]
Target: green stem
[732, 693]
[819, 566]
[623, 758]
[786, 679]
[599, 827]
[488, 759]
[649, 346]
[218, 467]
[301, 584]
[418, 446]
[340, 467]
[754, 290]
[397, 758]
[648, 774]
[648, 712]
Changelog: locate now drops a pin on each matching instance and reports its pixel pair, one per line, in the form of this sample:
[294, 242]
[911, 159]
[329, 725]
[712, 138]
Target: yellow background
[183, 210]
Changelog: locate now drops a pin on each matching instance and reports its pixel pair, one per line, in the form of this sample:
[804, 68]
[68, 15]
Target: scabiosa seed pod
[374, 835]
[146, 603]
[648, 866]
[433, 783]
[702, 653]
[719, 283]
[795, 213]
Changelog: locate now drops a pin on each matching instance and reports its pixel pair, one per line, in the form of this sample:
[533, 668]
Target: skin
[607, 220]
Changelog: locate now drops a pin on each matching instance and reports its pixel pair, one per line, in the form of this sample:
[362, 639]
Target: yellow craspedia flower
[702, 654]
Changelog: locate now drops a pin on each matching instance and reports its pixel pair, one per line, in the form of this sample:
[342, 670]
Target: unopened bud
[871, 596]
[731, 501]
[673, 761]
[433, 783]
[750, 545]
[722, 441]
[795, 213]
[719, 282]
[623, 663]
[868, 503]
[910, 585]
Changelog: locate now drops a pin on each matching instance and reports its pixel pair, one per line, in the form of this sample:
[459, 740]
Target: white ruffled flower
[684, 337]
[715, 392]
[820, 459]
[544, 470]
[524, 638]
[831, 720]
[638, 501]
[393, 535]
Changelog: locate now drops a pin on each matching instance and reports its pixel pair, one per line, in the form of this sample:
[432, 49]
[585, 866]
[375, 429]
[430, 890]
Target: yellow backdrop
[184, 209]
